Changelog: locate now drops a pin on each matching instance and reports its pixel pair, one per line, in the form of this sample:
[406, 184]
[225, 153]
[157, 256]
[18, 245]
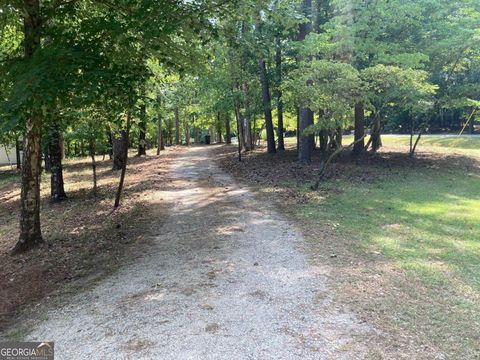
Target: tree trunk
[177, 127]
[94, 166]
[160, 145]
[298, 128]
[17, 153]
[278, 70]
[228, 132]
[375, 137]
[47, 162]
[55, 155]
[219, 127]
[306, 142]
[125, 136]
[30, 232]
[110, 142]
[187, 133]
[142, 135]
[471, 127]
[323, 136]
[359, 137]
[240, 133]
[339, 137]
[267, 107]
[120, 150]
[247, 131]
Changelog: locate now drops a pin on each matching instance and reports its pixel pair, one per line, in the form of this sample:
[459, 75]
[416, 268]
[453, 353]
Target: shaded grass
[420, 220]
[426, 225]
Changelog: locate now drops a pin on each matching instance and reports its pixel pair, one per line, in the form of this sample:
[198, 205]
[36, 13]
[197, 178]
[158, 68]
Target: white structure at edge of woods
[8, 155]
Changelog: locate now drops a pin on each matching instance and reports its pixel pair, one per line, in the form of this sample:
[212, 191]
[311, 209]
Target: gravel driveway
[226, 278]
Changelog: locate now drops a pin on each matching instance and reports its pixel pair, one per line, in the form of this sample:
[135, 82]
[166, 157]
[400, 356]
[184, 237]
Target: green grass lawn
[465, 144]
[424, 224]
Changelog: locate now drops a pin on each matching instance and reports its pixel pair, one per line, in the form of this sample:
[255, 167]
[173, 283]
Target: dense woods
[89, 78]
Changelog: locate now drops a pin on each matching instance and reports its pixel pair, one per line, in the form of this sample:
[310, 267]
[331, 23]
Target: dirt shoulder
[85, 239]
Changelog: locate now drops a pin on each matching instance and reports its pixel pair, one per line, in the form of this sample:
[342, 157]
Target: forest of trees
[87, 78]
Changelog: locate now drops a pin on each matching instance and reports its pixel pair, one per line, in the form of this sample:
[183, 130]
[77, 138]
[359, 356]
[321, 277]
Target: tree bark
[30, 230]
[359, 138]
[247, 131]
[94, 166]
[323, 136]
[339, 137]
[278, 71]
[142, 135]
[219, 127]
[228, 131]
[160, 145]
[187, 133]
[267, 107]
[177, 127]
[375, 137]
[471, 127]
[124, 161]
[57, 189]
[306, 142]
[110, 142]
[240, 133]
[120, 149]
[17, 153]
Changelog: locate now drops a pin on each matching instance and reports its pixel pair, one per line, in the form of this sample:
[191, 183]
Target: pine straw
[85, 239]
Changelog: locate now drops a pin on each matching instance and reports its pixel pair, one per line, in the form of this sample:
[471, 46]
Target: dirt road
[226, 278]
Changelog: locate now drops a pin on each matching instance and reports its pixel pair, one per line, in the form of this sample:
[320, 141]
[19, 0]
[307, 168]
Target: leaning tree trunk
[177, 127]
[267, 107]
[125, 136]
[359, 138]
[120, 149]
[57, 189]
[30, 232]
[142, 143]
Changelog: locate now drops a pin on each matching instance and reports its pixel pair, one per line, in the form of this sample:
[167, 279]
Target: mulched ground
[259, 168]
[85, 239]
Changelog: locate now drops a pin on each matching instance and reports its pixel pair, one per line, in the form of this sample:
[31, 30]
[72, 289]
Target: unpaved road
[226, 278]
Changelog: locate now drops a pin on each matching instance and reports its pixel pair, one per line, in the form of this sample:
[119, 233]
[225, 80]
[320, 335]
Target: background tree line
[88, 78]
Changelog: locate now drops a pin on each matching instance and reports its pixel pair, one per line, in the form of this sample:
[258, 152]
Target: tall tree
[306, 142]
[30, 231]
